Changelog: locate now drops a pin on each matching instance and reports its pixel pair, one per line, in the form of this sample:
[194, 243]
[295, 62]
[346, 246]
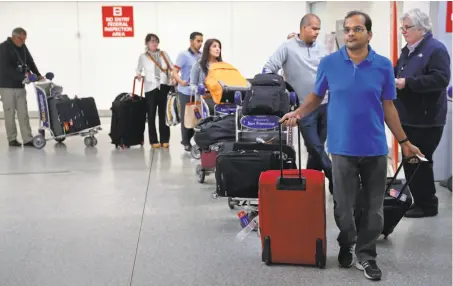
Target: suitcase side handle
[290, 184]
[419, 162]
[133, 86]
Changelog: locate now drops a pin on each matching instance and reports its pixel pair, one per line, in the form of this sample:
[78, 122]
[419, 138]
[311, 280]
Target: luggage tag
[246, 230]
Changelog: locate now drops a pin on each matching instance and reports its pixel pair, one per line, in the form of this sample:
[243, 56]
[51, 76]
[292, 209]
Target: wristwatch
[403, 141]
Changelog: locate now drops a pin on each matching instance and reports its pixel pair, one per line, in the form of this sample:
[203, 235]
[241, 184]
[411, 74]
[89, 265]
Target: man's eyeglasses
[405, 28]
[357, 29]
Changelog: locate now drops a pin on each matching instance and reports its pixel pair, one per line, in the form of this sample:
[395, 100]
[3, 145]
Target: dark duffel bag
[213, 130]
[267, 96]
[238, 171]
[89, 111]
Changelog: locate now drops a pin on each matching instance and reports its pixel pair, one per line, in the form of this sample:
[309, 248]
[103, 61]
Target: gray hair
[419, 19]
[18, 31]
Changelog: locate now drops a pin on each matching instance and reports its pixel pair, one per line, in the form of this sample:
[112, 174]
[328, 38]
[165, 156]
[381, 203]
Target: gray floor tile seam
[72, 171]
[151, 161]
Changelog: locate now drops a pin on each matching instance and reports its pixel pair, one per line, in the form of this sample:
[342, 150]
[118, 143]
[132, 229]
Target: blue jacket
[423, 101]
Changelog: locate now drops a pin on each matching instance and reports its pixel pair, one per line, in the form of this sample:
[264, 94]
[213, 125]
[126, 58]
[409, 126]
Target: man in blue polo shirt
[183, 64]
[361, 88]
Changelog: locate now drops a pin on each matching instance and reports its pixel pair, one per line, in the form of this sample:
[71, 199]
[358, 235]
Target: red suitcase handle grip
[133, 86]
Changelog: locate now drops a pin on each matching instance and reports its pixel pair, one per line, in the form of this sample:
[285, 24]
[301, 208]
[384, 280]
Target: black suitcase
[55, 125]
[89, 111]
[397, 201]
[238, 171]
[128, 119]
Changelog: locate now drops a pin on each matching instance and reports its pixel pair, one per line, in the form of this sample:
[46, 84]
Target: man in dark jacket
[422, 77]
[16, 63]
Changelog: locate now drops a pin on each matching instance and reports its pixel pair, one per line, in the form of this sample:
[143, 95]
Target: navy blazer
[423, 101]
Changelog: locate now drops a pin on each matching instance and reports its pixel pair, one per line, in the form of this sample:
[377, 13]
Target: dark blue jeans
[313, 128]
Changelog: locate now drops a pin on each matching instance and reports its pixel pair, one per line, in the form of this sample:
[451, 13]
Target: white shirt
[147, 68]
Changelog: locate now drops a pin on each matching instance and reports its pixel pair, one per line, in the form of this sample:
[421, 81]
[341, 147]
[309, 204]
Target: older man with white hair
[422, 76]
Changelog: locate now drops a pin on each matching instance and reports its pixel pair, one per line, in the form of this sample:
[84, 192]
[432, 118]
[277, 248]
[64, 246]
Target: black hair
[368, 22]
[205, 55]
[149, 37]
[307, 18]
[193, 35]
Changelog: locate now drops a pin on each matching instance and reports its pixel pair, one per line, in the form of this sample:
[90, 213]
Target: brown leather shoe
[155, 146]
[165, 145]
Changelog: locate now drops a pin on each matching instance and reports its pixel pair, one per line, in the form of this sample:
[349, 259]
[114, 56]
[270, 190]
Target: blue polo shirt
[355, 115]
[184, 62]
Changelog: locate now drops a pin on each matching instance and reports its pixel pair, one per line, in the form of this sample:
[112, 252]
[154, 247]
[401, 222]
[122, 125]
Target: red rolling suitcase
[292, 216]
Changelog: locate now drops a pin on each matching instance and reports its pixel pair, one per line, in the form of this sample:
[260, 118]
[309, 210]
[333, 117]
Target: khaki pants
[15, 99]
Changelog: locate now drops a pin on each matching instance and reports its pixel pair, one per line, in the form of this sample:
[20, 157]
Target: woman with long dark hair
[156, 66]
[212, 53]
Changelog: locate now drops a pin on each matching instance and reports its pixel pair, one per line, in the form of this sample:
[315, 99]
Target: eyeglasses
[405, 28]
[357, 29]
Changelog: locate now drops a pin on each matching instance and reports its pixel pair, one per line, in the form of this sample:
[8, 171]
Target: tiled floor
[71, 215]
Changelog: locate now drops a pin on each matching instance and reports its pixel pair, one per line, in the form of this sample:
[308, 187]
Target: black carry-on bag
[128, 118]
[398, 199]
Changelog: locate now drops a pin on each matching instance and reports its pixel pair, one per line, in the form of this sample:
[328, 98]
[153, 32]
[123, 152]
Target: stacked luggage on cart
[62, 116]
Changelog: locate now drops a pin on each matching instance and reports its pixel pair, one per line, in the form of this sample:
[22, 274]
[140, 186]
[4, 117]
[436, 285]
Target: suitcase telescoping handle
[407, 181]
[142, 85]
[290, 183]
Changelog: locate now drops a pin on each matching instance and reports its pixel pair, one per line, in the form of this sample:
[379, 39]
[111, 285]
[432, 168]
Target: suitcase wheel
[60, 140]
[320, 257]
[201, 174]
[266, 254]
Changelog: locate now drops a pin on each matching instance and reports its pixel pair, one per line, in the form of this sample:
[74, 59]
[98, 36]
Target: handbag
[192, 113]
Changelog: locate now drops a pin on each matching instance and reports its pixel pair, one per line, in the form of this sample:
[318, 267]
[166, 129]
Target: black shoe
[29, 144]
[418, 212]
[15, 143]
[345, 257]
[370, 269]
[188, 148]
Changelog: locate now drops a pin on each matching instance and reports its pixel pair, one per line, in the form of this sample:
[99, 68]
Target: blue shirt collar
[369, 58]
[191, 52]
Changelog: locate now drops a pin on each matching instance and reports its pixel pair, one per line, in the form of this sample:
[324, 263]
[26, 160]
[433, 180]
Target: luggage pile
[62, 116]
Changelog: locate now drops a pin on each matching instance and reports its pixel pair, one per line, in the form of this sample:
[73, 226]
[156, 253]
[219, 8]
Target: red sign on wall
[118, 21]
[449, 17]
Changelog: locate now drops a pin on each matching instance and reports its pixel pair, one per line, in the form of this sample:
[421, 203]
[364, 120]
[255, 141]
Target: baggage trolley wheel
[232, 203]
[94, 141]
[39, 141]
[201, 174]
[195, 152]
[320, 257]
[60, 140]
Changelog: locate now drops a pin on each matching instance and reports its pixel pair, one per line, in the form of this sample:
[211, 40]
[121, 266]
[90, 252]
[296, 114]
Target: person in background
[183, 65]
[362, 90]
[156, 66]
[422, 76]
[16, 63]
[299, 58]
[212, 53]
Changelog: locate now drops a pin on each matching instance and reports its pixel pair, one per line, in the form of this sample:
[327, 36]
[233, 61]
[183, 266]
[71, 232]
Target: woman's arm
[140, 66]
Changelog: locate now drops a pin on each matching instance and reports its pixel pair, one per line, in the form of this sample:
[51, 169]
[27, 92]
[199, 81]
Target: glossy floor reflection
[71, 215]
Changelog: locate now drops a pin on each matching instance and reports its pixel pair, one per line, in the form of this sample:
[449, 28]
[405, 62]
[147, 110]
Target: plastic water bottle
[243, 218]
[246, 230]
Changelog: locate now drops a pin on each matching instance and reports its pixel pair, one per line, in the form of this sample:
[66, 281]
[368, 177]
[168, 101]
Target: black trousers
[156, 99]
[186, 134]
[422, 185]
